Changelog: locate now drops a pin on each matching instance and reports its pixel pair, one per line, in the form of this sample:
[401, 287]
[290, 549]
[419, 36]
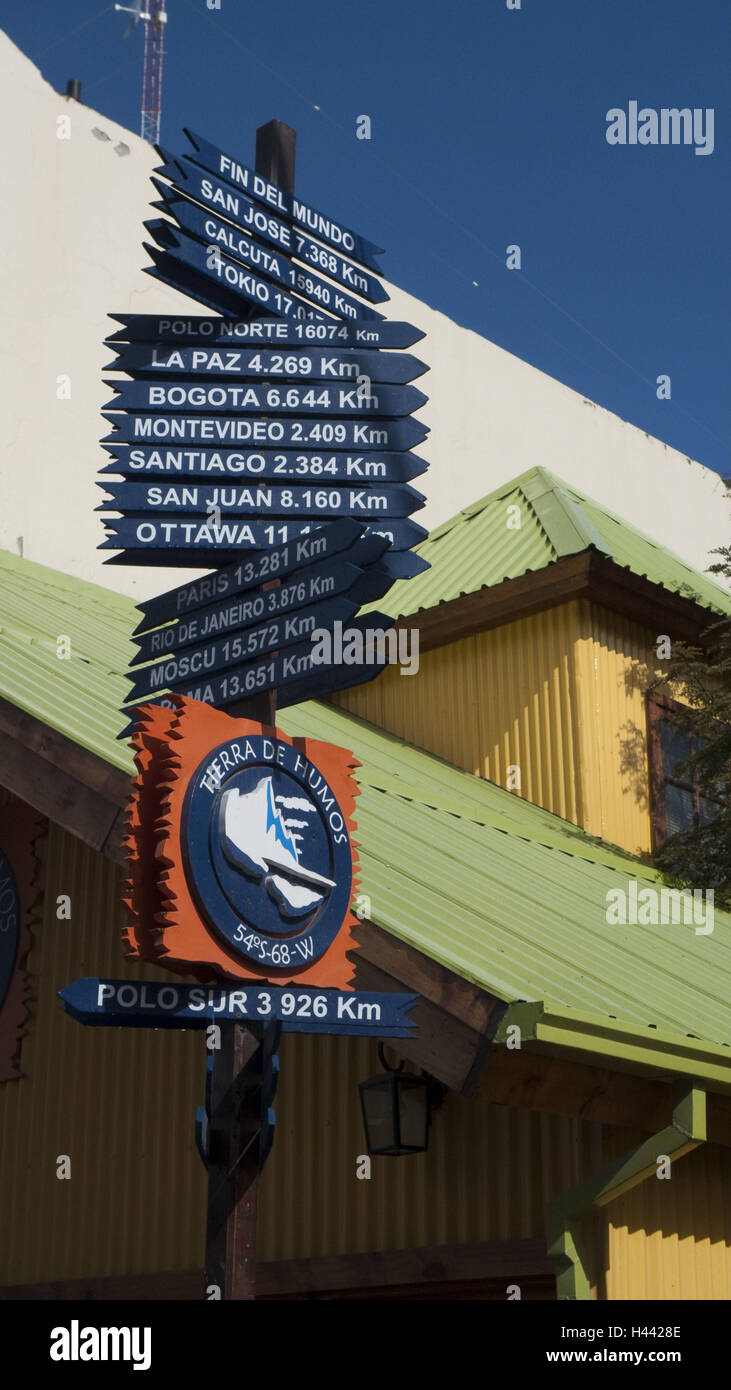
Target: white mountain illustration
[257, 840]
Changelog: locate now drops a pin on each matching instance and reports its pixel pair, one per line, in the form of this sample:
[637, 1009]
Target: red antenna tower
[154, 16]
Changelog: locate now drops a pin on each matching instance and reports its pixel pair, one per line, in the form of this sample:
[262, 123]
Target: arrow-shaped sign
[302, 660]
[203, 500]
[299, 1008]
[313, 554]
[392, 435]
[215, 465]
[259, 398]
[186, 264]
[168, 538]
[244, 611]
[307, 363]
[217, 235]
[247, 214]
[206, 331]
[228, 168]
[233, 649]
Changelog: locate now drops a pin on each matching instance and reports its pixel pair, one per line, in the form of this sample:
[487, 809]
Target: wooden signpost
[274, 444]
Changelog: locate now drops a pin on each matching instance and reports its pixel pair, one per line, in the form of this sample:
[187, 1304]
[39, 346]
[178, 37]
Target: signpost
[271, 440]
[299, 1008]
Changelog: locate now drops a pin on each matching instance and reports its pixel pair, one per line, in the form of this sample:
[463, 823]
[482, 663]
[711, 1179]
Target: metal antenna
[154, 16]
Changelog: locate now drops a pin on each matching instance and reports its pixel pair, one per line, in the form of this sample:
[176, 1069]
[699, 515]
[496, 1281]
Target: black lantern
[396, 1109]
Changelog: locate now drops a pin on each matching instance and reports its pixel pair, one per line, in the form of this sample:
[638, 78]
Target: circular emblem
[9, 925]
[267, 852]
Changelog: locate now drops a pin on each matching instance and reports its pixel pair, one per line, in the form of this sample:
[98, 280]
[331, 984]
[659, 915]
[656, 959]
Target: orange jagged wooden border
[180, 941]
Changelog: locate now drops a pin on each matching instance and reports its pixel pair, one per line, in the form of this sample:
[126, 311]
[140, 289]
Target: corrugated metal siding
[120, 1102]
[499, 699]
[477, 548]
[671, 1238]
[614, 661]
[487, 1174]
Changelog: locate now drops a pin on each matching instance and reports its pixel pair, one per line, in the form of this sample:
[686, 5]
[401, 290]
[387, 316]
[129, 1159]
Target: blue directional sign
[261, 222]
[305, 499]
[299, 1008]
[258, 398]
[253, 677]
[268, 464]
[226, 167]
[233, 649]
[234, 282]
[242, 612]
[204, 330]
[177, 540]
[307, 363]
[265, 260]
[313, 553]
[392, 435]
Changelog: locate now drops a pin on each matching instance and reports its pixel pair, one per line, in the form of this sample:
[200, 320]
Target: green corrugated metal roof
[80, 695]
[477, 548]
[499, 891]
[513, 898]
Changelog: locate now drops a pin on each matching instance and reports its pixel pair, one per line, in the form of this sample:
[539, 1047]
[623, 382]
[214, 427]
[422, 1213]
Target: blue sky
[488, 129]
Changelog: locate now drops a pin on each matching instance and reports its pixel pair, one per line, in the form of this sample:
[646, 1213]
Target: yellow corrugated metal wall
[670, 1238]
[559, 694]
[487, 1174]
[614, 661]
[119, 1102]
[501, 699]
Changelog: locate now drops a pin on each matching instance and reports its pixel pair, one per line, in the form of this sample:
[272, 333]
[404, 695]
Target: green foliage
[700, 679]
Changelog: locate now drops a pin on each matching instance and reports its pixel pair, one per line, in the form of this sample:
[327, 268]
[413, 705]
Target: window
[676, 800]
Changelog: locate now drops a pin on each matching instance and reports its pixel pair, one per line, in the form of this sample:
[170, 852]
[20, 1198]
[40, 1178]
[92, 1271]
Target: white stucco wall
[71, 252]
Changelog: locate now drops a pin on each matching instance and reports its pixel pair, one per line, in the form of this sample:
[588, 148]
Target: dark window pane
[675, 745]
[679, 807]
[709, 810]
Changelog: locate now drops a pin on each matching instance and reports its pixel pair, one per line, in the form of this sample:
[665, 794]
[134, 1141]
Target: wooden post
[233, 1164]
